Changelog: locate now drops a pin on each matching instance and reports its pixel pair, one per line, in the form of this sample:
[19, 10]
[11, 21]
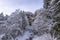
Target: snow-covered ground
[42, 37]
[26, 35]
[1, 35]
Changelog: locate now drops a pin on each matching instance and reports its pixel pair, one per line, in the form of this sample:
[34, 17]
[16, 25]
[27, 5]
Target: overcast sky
[8, 6]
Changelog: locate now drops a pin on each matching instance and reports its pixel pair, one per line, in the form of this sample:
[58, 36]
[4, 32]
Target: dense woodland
[44, 24]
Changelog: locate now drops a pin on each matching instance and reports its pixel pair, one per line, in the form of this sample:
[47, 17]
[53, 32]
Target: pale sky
[9, 6]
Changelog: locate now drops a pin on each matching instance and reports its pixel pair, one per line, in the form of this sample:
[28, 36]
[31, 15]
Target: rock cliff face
[43, 25]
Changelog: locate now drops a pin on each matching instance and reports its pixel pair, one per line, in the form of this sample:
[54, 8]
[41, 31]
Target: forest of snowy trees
[44, 24]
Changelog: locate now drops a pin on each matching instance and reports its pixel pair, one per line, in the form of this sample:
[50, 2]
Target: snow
[43, 37]
[26, 35]
[42, 24]
[1, 35]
